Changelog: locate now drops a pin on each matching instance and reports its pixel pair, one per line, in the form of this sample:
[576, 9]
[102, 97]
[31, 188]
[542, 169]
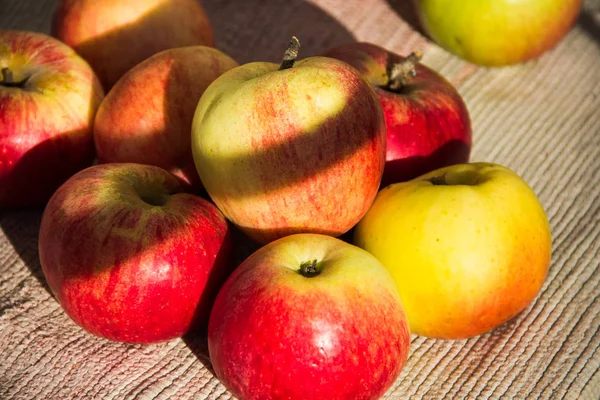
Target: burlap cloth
[541, 119]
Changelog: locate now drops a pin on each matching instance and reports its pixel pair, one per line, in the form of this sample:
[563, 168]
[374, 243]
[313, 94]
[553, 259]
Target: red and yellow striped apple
[147, 115]
[48, 99]
[130, 256]
[295, 148]
[498, 32]
[427, 121]
[115, 35]
[308, 316]
[468, 245]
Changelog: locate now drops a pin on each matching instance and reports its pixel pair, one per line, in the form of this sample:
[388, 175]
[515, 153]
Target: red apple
[130, 256]
[48, 99]
[295, 148]
[115, 35]
[308, 317]
[428, 124]
[147, 116]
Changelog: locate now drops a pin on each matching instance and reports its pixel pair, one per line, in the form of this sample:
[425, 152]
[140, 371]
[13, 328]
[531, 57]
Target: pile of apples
[307, 216]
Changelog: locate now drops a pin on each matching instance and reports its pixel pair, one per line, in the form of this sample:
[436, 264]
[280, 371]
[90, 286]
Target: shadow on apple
[287, 158]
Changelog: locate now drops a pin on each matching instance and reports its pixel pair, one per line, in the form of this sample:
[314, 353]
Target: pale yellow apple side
[466, 258]
[228, 144]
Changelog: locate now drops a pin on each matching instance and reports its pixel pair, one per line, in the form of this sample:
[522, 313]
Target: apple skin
[499, 32]
[427, 121]
[115, 35]
[299, 150]
[468, 254]
[342, 334]
[147, 116]
[45, 121]
[130, 256]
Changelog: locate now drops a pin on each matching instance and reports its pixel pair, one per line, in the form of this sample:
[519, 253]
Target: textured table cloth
[541, 119]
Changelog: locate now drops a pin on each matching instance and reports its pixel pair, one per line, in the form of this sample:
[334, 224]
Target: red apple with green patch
[428, 123]
[308, 316]
[499, 32]
[295, 148]
[115, 35]
[147, 116]
[48, 99]
[130, 255]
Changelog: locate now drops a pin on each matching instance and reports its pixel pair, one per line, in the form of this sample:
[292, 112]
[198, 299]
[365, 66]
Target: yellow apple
[469, 246]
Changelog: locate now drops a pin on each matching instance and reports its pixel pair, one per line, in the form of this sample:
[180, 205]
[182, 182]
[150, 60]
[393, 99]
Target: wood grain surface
[541, 119]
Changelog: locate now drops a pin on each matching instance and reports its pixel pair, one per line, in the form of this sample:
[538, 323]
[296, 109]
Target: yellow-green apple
[499, 32]
[130, 255]
[147, 115]
[115, 35]
[308, 316]
[469, 247]
[48, 99]
[428, 124]
[296, 148]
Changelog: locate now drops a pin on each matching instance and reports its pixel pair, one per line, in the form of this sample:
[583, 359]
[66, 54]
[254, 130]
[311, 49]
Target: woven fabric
[541, 119]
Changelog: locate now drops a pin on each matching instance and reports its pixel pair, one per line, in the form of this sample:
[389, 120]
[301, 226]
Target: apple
[499, 32]
[147, 116]
[296, 148]
[308, 316]
[48, 99]
[468, 246]
[428, 123]
[115, 35]
[130, 256]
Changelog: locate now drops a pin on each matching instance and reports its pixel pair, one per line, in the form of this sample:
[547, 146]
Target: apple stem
[7, 76]
[291, 53]
[308, 269]
[401, 73]
[438, 180]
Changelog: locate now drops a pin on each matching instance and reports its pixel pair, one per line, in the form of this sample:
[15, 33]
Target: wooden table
[542, 119]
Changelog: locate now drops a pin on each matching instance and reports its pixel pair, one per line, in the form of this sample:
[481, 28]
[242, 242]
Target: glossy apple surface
[297, 150]
[308, 317]
[428, 123]
[468, 245]
[130, 256]
[147, 116]
[499, 32]
[48, 99]
[115, 35]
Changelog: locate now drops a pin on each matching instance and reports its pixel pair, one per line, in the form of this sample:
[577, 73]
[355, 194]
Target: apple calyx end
[438, 180]
[7, 76]
[291, 54]
[155, 200]
[400, 74]
[308, 269]
[7, 79]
